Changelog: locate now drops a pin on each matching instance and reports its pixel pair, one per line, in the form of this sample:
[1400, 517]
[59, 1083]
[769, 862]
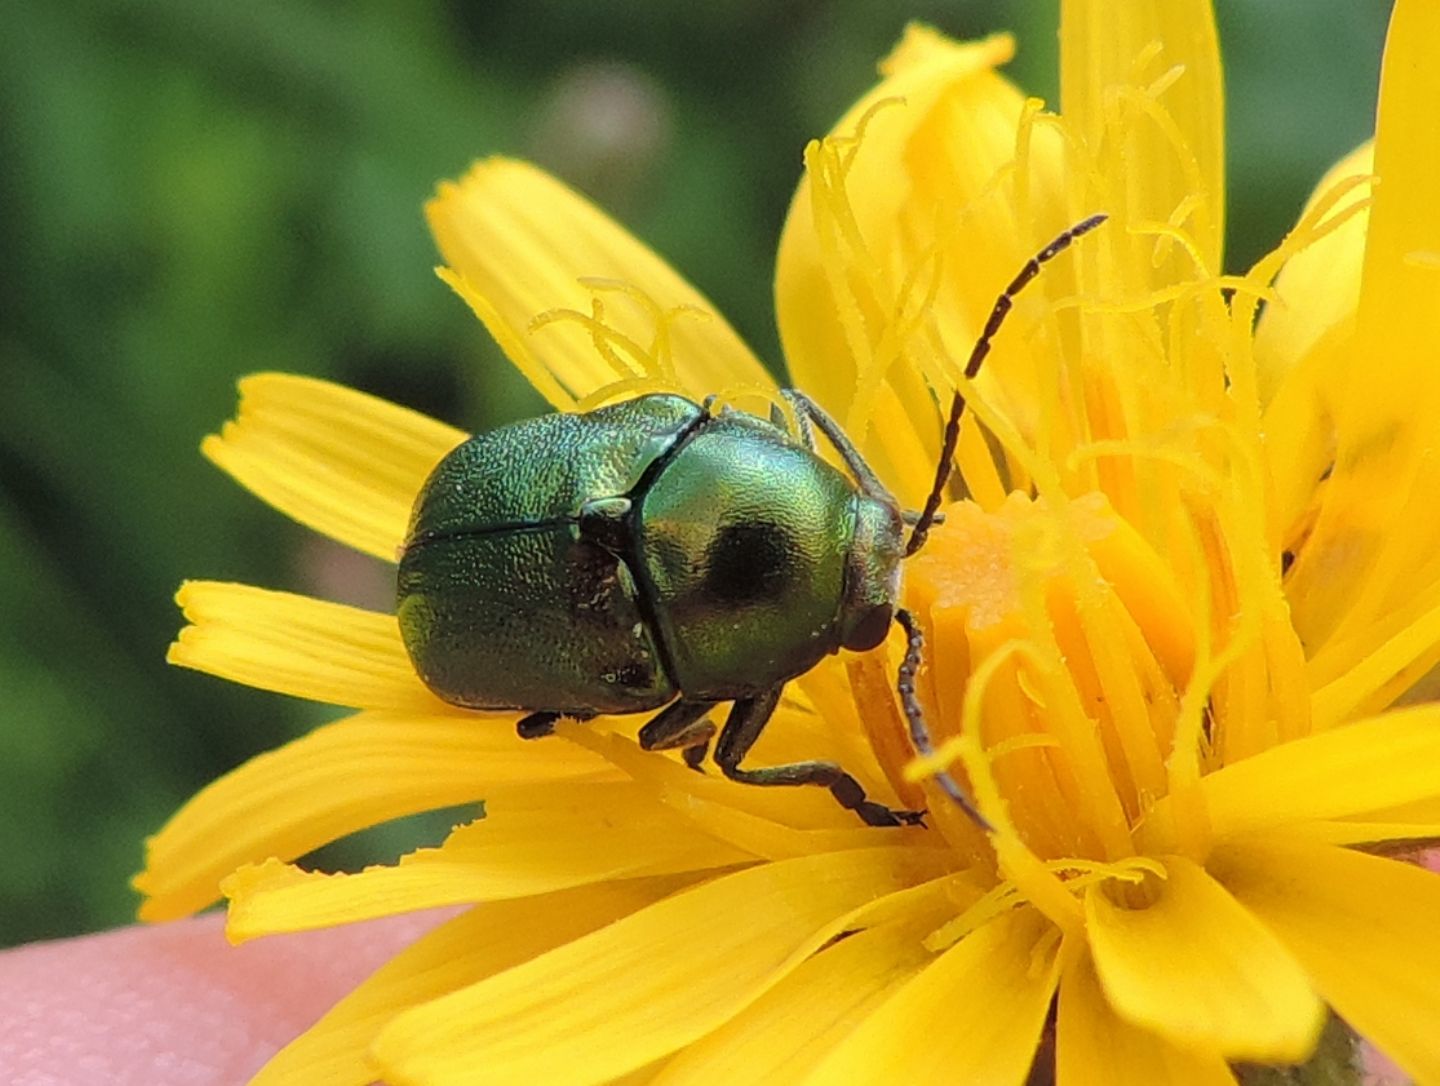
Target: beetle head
[872, 574]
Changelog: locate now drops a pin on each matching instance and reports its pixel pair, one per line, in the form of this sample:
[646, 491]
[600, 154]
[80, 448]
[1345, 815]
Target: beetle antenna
[1003, 305]
[915, 715]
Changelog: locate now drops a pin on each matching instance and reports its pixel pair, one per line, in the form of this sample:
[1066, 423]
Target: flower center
[1062, 644]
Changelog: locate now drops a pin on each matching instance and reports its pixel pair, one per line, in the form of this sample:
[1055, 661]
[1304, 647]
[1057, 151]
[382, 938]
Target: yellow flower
[1167, 635]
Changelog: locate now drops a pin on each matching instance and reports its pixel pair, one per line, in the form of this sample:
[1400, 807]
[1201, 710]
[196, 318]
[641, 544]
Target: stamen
[742, 394]
[1199, 725]
[1019, 174]
[1170, 231]
[1165, 81]
[851, 144]
[1312, 227]
[626, 358]
[862, 288]
[661, 319]
[1152, 300]
[1016, 861]
[1160, 450]
[1077, 876]
[1033, 741]
[1194, 182]
[827, 210]
[598, 333]
[605, 338]
[896, 332]
[1002, 899]
[615, 391]
[1003, 304]
[1080, 874]
[1088, 181]
[877, 321]
[1142, 60]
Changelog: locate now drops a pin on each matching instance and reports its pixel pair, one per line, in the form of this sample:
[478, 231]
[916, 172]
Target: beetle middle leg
[742, 728]
[681, 724]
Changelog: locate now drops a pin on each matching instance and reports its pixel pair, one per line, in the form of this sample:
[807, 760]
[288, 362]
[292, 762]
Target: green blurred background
[196, 189]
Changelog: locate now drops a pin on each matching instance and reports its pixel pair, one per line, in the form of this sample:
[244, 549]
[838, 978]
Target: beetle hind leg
[743, 727]
[681, 724]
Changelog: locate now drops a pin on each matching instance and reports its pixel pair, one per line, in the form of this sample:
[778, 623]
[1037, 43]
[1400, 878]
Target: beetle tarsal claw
[536, 725]
[849, 794]
[877, 814]
[695, 756]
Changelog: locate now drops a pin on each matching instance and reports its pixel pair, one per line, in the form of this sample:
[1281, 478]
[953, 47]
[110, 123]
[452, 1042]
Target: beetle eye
[868, 628]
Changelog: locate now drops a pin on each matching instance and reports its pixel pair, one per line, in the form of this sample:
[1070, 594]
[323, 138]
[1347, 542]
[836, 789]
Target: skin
[176, 1004]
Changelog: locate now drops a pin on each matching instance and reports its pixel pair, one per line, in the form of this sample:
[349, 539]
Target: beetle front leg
[681, 724]
[911, 517]
[747, 720]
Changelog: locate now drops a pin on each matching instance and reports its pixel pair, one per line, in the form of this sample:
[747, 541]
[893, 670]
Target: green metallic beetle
[653, 555]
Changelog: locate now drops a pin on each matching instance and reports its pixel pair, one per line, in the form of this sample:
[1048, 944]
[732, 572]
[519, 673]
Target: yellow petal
[1094, 1044]
[1303, 344]
[1385, 660]
[927, 218]
[1195, 967]
[343, 463]
[1380, 762]
[928, 78]
[974, 1015]
[647, 984]
[1299, 427]
[1413, 822]
[1401, 281]
[1319, 287]
[1368, 550]
[481, 942]
[1372, 831]
[789, 1030]
[340, 778]
[519, 243]
[291, 644]
[1363, 928]
[1141, 84]
[535, 840]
